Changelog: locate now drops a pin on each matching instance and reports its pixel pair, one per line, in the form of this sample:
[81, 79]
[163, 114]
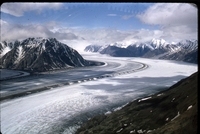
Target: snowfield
[61, 110]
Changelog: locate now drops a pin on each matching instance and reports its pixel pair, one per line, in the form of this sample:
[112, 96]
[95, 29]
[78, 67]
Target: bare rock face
[39, 54]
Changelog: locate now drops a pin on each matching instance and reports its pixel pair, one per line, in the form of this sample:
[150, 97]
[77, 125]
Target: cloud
[2, 22]
[19, 32]
[112, 15]
[126, 17]
[176, 19]
[78, 37]
[18, 9]
[170, 13]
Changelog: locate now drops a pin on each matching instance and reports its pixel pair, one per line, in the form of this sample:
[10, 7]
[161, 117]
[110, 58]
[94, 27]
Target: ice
[62, 109]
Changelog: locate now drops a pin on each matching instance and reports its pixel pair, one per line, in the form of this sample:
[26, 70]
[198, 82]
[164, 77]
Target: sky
[82, 24]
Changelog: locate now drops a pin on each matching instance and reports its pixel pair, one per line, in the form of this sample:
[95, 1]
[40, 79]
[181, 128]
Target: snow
[166, 119]
[158, 42]
[108, 112]
[189, 107]
[140, 131]
[120, 45]
[149, 131]
[119, 130]
[172, 99]
[133, 131]
[176, 116]
[64, 107]
[119, 108]
[143, 99]
[5, 50]
[20, 54]
[160, 94]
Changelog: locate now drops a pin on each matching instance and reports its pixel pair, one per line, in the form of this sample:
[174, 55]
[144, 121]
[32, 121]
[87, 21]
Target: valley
[127, 67]
[63, 109]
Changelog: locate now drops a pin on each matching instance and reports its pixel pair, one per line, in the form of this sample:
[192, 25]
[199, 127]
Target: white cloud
[177, 20]
[126, 17]
[19, 32]
[77, 37]
[170, 14]
[2, 22]
[18, 9]
[111, 14]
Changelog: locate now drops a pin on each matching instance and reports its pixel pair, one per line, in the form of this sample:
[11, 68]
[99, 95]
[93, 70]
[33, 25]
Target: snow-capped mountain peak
[158, 43]
[6, 46]
[152, 48]
[188, 44]
[121, 45]
[40, 54]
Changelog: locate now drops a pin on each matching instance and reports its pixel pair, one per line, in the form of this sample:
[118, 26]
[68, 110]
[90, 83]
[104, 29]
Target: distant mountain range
[39, 54]
[186, 50]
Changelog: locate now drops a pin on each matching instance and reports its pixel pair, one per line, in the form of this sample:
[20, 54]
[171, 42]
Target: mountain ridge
[39, 54]
[151, 49]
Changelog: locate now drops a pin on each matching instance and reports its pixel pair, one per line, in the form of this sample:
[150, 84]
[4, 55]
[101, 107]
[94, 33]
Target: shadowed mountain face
[173, 111]
[39, 54]
[117, 52]
[184, 55]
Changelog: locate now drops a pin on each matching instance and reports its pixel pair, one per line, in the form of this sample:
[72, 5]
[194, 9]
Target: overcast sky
[81, 24]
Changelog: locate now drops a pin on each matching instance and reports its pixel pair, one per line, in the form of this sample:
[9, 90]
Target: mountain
[183, 55]
[39, 54]
[185, 50]
[5, 47]
[99, 48]
[173, 111]
[92, 48]
[139, 49]
[117, 51]
[187, 53]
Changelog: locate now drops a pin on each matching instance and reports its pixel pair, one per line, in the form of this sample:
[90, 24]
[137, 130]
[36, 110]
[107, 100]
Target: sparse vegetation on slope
[173, 111]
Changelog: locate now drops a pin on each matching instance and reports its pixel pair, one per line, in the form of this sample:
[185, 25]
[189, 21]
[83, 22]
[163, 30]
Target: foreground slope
[171, 111]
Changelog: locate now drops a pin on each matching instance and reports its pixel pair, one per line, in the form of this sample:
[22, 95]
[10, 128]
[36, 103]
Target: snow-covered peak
[121, 45]
[188, 44]
[40, 42]
[158, 43]
[32, 42]
[5, 46]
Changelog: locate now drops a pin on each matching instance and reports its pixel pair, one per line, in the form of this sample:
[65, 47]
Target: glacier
[61, 110]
